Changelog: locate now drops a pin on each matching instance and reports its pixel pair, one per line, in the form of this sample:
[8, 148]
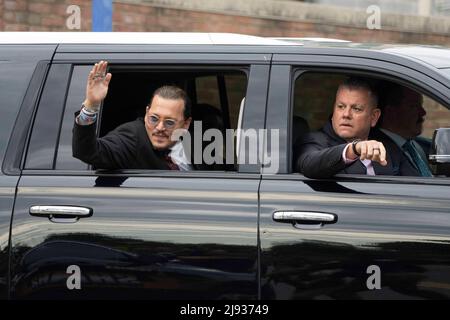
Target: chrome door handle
[61, 213]
[305, 219]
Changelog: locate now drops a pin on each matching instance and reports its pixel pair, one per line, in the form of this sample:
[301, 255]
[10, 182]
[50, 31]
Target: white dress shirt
[179, 157]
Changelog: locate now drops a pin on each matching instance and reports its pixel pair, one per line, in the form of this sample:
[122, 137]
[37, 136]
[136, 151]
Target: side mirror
[440, 152]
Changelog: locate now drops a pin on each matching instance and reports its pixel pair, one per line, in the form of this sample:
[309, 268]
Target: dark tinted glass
[41, 151]
[14, 79]
[75, 97]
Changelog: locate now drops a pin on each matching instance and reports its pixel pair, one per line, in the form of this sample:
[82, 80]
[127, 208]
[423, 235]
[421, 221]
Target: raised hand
[97, 85]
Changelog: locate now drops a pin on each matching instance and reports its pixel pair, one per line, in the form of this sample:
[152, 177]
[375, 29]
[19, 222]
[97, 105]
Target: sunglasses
[168, 123]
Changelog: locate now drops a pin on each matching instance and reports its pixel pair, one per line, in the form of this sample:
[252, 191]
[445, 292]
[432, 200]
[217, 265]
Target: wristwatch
[354, 142]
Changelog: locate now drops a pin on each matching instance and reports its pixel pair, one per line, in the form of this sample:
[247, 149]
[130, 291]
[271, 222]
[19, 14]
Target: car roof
[177, 38]
[436, 56]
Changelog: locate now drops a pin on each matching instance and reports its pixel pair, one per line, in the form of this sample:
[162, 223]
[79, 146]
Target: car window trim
[363, 178]
[245, 69]
[145, 173]
[371, 61]
[298, 71]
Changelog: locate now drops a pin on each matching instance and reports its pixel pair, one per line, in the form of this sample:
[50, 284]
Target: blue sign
[102, 15]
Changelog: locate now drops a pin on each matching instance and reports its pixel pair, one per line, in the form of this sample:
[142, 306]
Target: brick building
[256, 17]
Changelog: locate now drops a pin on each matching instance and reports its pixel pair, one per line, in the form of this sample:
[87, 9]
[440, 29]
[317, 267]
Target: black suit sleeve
[316, 160]
[112, 151]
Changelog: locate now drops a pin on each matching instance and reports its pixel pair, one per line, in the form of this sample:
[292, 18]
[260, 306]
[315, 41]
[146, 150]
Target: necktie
[172, 165]
[418, 161]
[369, 167]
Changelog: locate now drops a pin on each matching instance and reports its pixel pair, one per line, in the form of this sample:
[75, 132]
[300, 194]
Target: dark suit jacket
[126, 147]
[425, 143]
[319, 155]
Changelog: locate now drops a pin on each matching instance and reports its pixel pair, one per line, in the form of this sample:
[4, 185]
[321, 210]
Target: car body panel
[396, 225]
[22, 70]
[152, 234]
[165, 236]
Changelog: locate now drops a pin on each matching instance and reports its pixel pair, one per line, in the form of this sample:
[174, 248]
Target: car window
[45, 134]
[75, 97]
[216, 104]
[14, 79]
[313, 100]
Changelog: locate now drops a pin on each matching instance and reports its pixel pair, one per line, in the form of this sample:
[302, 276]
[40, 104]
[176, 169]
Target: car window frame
[382, 76]
[15, 155]
[214, 66]
[287, 66]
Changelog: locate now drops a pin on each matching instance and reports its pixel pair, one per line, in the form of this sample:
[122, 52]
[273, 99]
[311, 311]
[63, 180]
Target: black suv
[252, 230]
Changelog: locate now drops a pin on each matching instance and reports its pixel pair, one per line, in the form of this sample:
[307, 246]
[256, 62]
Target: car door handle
[305, 219]
[61, 213]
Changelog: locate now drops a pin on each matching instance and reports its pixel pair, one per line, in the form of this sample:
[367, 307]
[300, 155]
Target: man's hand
[97, 86]
[370, 149]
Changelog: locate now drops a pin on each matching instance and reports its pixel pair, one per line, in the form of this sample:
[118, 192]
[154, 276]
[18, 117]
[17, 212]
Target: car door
[350, 237]
[131, 234]
[22, 70]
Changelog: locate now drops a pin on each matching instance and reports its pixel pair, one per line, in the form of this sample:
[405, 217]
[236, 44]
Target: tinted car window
[14, 79]
[314, 97]
[75, 97]
[41, 150]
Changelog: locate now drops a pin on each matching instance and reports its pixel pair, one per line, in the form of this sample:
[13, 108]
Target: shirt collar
[178, 154]
[177, 148]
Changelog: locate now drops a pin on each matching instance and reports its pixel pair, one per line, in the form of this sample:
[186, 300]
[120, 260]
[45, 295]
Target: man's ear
[187, 123]
[376, 113]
